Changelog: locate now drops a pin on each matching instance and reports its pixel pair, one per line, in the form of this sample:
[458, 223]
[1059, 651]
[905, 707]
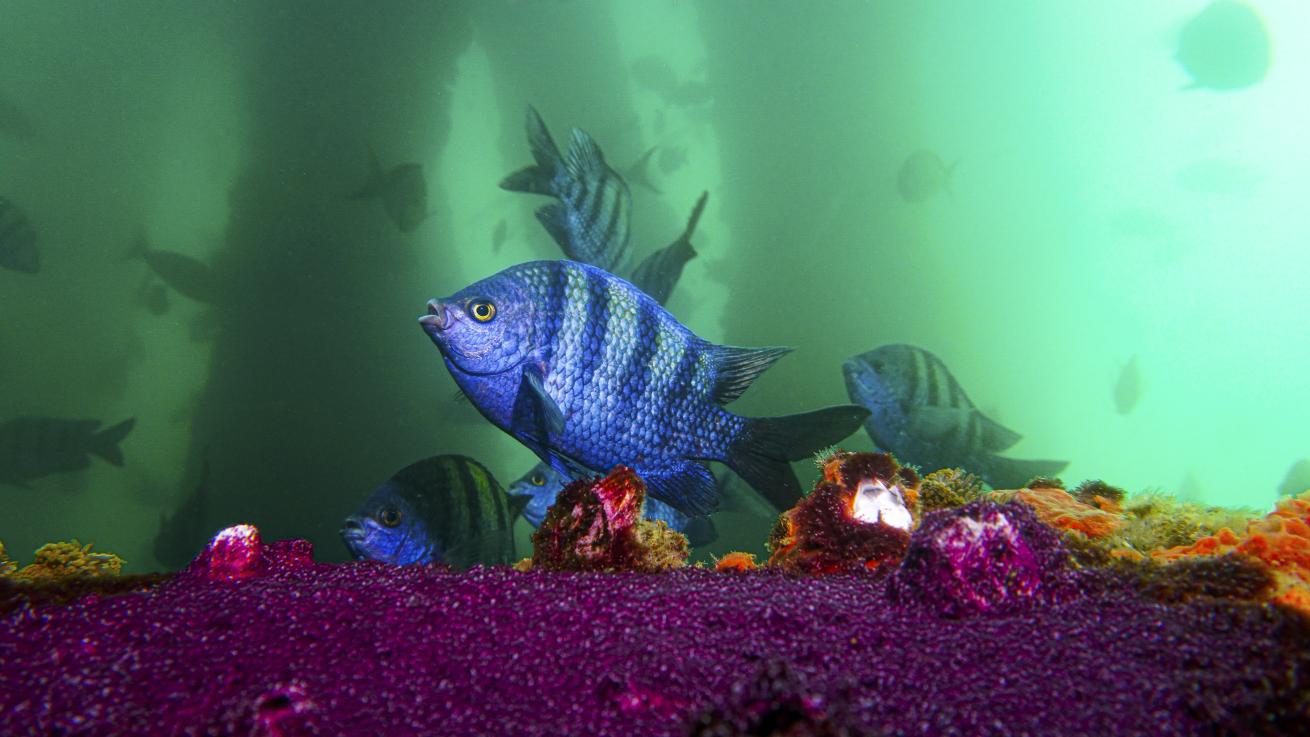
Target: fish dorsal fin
[544, 150]
[995, 436]
[585, 158]
[736, 368]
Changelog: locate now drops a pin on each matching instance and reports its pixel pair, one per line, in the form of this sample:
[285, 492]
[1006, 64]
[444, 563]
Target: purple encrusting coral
[256, 639]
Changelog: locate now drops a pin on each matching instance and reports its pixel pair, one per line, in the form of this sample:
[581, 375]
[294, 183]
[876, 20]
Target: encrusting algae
[61, 560]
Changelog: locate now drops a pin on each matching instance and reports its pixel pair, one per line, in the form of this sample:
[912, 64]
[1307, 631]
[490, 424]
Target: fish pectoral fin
[935, 422]
[490, 547]
[687, 486]
[736, 368]
[535, 411]
[995, 436]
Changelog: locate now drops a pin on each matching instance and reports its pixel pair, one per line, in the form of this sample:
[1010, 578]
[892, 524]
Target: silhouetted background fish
[33, 447]
[922, 175]
[919, 412]
[1224, 47]
[402, 189]
[14, 122]
[1128, 387]
[187, 275]
[17, 240]
[183, 533]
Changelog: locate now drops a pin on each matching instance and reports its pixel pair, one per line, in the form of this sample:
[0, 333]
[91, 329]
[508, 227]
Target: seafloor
[277, 644]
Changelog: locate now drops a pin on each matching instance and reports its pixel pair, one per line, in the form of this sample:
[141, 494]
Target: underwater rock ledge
[262, 640]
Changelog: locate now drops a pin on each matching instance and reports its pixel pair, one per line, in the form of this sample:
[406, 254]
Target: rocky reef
[979, 622]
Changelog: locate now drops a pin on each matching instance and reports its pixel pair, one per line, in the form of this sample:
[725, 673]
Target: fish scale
[590, 372]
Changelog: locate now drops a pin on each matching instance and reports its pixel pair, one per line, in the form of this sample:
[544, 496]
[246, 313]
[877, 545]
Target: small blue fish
[443, 509]
[543, 484]
[589, 372]
[920, 413]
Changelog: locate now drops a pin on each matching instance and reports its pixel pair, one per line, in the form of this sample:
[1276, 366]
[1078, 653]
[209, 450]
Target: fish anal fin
[553, 219]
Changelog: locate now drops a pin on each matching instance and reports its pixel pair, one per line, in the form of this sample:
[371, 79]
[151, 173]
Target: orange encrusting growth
[1281, 540]
[736, 561]
[1059, 509]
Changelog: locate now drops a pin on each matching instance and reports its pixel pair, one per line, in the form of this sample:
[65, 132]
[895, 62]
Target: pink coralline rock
[237, 552]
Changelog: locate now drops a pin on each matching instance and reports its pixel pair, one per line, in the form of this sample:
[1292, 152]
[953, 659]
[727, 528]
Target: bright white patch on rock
[238, 533]
[877, 502]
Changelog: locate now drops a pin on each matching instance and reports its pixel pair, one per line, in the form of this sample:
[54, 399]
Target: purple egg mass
[257, 639]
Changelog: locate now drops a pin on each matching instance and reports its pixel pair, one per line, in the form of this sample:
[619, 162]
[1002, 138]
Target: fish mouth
[437, 319]
[352, 535]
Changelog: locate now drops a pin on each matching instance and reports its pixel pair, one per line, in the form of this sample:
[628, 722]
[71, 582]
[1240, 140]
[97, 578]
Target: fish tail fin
[372, 187]
[762, 452]
[105, 443]
[1015, 473]
[639, 172]
[537, 178]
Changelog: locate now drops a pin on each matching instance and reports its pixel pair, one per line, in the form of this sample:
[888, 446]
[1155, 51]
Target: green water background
[233, 131]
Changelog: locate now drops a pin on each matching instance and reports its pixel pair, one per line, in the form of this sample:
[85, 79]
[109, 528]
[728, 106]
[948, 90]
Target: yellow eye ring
[482, 311]
[538, 480]
[389, 517]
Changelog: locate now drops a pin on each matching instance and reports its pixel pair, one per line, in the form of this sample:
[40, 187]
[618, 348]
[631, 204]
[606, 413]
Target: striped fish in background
[442, 509]
[589, 372]
[32, 447]
[17, 240]
[592, 220]
[920, 413]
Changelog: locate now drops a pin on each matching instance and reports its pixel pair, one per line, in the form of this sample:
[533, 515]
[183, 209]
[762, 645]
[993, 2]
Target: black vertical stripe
[611, 235]
[596, 333]
[911, 394]
[595, 202]
[472, 499]
[951, 384]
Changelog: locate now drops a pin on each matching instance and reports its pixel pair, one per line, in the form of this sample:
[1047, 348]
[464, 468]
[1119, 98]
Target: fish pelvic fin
[105, 443]
[687, 486]
[762, 452]
[735, 368]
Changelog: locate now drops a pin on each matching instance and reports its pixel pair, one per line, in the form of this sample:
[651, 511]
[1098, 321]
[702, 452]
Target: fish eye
[482, 311]
[538, 479]
[389, 516]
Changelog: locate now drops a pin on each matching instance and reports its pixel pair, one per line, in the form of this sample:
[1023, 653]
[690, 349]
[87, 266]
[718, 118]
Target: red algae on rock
[857, 518]
[597, 525]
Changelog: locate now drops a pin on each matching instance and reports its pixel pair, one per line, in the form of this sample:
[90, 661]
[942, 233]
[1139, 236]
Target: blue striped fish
[920, 413]
[442, 509]
[543, 484]
[589, 372]
[592, 221]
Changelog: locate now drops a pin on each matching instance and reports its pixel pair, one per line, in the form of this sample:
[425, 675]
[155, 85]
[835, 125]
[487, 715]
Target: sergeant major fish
[589, 372]
[592, 220]
[32, 447]
[403, 191]
[543, 484]
[187, 275]
[17, 240]
[920, 413]
[442, 509]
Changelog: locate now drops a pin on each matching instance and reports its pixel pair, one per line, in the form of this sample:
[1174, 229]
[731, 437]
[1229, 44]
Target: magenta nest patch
[257, 639]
